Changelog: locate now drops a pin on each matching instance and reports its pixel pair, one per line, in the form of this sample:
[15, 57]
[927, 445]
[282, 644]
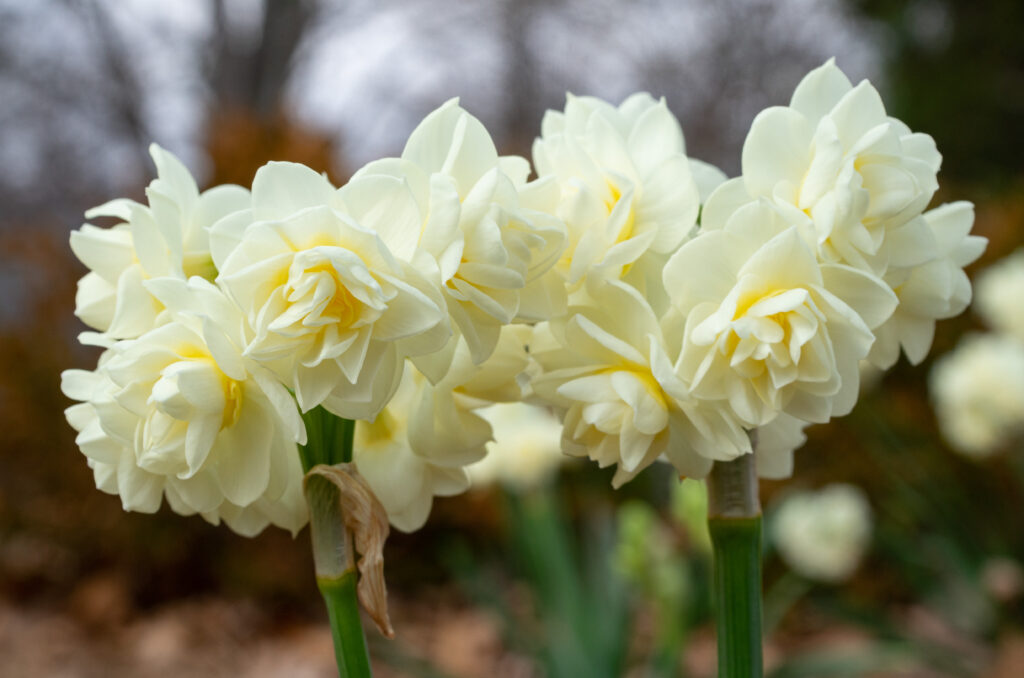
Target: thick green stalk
[734, 521]
[346, 627]
[330, 442]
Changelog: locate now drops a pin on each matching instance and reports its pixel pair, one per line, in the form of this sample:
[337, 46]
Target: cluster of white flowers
[389, 300]
[978, 389]
[823, 534]
[662, 311]
[681, 337]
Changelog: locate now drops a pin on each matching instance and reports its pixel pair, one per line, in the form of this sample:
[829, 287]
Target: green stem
[330, 442]
[346, 626]
[734, 521]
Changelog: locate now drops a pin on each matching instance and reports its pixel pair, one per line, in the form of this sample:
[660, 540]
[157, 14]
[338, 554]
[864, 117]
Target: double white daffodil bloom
[181, 412]
[609, 371]
[834, 159]
[625, 185]
[488, 242]
[856, 182]
[768, 328]
[167, 237]
[326, 279]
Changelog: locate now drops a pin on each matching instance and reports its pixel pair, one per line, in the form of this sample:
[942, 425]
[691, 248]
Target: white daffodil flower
[625, 184]
[931, 291]
[623, 404]
[325, 279]
[181, 412]
[823, 534]
[835, 160]
[768, 328]
[978, 391]
[1000, 294]
[490, 248]
[526, 451]
[403, 481]
[167, 237]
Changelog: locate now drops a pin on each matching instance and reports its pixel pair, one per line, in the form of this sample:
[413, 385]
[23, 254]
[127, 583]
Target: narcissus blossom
[1001, 295]
[624, 181]
[404, 482]
[978, 391]
[489, 245]
[608, 370]
[526, 451]
[834, 161]
[823, 534]
[768, 328]
[167, 237]
[326, 281]
[931, 291]
[181, 412]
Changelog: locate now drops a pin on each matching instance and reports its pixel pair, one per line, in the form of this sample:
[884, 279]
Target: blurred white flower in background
[1000, 298]
[823, 534]
[978, 390]
[526, 451]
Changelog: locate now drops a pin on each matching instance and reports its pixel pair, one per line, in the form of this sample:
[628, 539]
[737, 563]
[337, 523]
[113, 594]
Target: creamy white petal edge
[839, 166]
[166, 237]
[181, 413]
[421, 443]
[487, 234]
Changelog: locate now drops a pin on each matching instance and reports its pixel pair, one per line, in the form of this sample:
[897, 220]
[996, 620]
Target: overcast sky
[367, 72]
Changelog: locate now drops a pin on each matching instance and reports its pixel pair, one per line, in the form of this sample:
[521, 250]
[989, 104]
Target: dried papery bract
[345, 515]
